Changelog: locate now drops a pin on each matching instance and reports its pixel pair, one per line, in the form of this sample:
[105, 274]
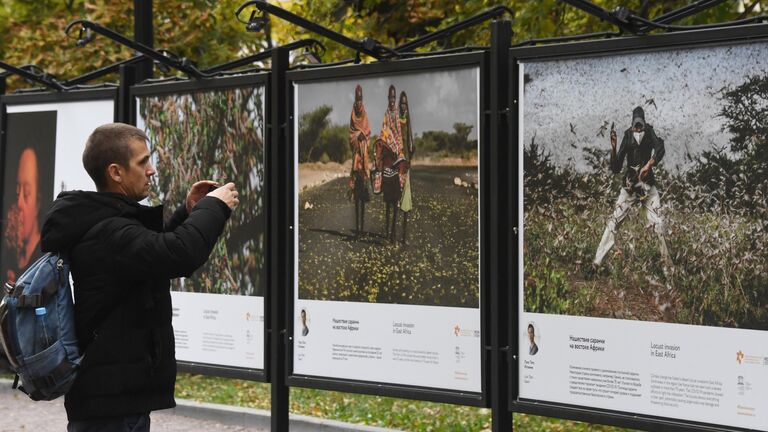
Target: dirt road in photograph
[438, 265]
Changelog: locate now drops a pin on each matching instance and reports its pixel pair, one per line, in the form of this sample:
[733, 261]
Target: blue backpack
[37, 329]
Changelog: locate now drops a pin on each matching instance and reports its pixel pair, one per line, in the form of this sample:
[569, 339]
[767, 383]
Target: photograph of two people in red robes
[388, 198]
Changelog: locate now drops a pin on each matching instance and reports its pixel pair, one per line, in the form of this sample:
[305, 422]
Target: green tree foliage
[745, 112]
[394, 22]
[443, 143]
[204, 31]
[311, 124]
[223, 132]
[207, 32]
[738, 178]
[322, 141]
[319, 140]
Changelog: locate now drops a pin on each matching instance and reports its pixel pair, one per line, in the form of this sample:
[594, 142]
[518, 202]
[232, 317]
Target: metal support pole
[279, 236]
[143, 33]
[3, 85]
[126, 105]
[501, 35]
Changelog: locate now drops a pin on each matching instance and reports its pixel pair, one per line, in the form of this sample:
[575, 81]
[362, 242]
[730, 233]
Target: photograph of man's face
[304, 326]
[533, 347]
[27, 197]
[28, 190]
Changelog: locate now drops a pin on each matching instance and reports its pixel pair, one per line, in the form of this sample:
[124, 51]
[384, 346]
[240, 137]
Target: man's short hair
[108, 144]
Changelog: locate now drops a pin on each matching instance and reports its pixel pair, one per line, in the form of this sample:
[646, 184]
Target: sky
[684, 85]
[436, 99]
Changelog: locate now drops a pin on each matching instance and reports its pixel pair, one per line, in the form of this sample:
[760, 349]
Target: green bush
[546, 290]
[319, 140]
[446, 144]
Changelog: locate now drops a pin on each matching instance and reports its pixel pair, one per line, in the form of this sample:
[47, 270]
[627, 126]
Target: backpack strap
[37, 300]
[30, 301]
[61, 371]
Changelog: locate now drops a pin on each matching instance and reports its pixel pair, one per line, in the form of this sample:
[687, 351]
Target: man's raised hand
[197, 192]
[228, 194]
[646, 169]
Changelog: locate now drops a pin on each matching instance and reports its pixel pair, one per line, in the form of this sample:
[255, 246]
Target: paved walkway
[19, 413]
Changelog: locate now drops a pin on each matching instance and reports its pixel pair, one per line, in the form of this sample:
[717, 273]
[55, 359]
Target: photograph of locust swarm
[214, 135]
[646, 197]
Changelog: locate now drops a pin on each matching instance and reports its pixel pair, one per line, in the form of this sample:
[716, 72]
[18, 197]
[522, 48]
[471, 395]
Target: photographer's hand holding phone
[226, 193]
[198, 191]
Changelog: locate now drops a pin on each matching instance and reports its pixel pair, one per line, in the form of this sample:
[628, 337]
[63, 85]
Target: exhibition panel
[43, 140]
[388, 205]
[641, 285]
[215, 130]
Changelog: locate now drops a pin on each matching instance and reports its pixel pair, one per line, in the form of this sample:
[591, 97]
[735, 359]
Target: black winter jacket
[638, 154]
[122, 259]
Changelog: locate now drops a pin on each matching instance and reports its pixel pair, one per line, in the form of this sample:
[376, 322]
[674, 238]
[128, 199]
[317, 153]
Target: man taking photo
[122, 257]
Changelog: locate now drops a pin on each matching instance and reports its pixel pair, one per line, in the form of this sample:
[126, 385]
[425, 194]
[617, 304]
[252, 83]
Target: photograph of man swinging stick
[388, 196]
[645, 184]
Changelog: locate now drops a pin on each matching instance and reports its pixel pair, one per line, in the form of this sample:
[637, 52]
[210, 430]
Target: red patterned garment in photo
[359, 136]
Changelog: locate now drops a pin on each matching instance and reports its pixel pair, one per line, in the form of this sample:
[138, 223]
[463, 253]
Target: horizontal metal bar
[532, 42]
[613, 418]
[645, 43]
[335, 36]
[461, 25]
[50, 83]
[686, 11]
[41, 95]
[114, 67]
[147, 51]
[222, 371]
[264, 55]
[602, 14]
[669, 27]
[389, 390]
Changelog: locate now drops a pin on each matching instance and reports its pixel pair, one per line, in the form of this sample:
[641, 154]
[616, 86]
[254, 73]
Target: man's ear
[115, 173]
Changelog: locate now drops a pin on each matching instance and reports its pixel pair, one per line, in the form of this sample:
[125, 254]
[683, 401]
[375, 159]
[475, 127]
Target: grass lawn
[363, 409]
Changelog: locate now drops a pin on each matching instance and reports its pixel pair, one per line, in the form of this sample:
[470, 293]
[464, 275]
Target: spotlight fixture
[312, 56]
[256, 23]
[84, 37]
[259, 20]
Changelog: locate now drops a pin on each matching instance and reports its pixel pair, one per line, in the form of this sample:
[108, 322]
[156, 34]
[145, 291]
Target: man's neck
[113, 188]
